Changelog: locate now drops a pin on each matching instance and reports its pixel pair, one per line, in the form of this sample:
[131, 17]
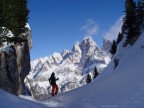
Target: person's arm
[57, 79]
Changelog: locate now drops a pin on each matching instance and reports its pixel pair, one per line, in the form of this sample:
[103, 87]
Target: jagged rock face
[65, 54]
[15, 66]
[9, 80]
[23, 60]
[76, 53]
[88, 47]
[107, 45]
[70, 66]
[57, 58]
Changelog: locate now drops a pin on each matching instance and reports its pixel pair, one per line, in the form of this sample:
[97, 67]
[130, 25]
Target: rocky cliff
[15, 65]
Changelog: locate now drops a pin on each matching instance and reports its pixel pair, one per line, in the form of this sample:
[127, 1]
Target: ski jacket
[52, 80]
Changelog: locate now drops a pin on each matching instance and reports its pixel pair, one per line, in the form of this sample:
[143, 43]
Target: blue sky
[58, 24]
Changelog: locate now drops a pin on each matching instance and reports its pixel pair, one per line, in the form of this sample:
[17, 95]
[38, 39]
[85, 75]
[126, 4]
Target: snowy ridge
[70, 66]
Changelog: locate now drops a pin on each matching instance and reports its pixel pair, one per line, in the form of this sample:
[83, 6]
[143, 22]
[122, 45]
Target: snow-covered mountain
[119, 88]
[70, 66]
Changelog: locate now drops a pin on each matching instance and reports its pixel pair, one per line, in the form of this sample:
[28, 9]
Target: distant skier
[116, 61]
[52, 81]
[88, 79]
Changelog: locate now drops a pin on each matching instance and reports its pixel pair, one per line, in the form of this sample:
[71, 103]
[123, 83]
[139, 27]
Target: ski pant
[54, 90]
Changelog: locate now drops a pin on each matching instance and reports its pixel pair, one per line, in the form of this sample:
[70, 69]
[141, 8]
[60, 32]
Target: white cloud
[91, 28]
[112, 33]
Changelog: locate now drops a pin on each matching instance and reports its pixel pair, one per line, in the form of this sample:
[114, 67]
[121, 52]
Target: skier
[52, 81]
[88, 80]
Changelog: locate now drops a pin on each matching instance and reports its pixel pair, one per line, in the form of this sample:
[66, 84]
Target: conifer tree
[113, 48]
[88, 78]
[13, 17]
[95, 73]
[140, 13]
[130, 23]
[119, 38]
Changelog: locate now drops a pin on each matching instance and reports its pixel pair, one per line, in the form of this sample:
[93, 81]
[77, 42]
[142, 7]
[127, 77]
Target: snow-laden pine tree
[113, 48]
[130, 22]
[140, 13]
[13, 17]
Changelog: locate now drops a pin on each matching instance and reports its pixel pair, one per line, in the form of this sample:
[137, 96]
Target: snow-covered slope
[119, 88]
[10, 101]
[70, 66]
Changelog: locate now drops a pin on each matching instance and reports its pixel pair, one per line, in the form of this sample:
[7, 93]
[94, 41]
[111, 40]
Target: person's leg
[53, 89]
[56, 87]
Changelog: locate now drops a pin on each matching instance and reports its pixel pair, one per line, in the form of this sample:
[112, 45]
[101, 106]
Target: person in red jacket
[52, 81]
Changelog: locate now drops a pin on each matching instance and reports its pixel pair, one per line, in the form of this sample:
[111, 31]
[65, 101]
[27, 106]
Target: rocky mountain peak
[88, 41]
[76, 47]
[88, 47]
[57, 58]
[106, 45]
